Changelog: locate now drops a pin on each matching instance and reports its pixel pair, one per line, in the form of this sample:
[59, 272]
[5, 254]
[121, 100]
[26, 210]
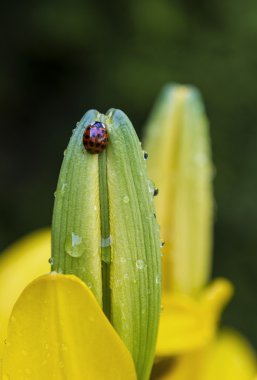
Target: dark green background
[60, 58]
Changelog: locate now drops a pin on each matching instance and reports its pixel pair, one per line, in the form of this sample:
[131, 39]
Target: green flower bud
[105, 232]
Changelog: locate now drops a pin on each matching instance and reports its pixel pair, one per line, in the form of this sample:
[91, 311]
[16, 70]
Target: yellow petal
[183, 367]
[230, 357]
[21, 263]
[58, 331]
[187, 323]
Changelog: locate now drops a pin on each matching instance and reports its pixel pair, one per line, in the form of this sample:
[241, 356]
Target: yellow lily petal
[230, 357]
[58, 331]
[188, 323]
[184, 367]
[21, 263]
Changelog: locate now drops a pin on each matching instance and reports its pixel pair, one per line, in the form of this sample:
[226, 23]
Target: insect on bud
[105, 231]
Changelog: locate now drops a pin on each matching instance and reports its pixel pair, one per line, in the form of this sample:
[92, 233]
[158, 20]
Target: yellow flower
[178, 143]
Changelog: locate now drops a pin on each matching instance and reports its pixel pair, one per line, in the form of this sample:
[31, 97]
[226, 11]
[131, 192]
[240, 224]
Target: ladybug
[95, 137]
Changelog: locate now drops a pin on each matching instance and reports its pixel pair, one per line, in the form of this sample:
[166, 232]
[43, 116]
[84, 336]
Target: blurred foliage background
[60, 58]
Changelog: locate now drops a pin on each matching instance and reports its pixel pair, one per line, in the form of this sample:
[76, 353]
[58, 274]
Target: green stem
[105, 234]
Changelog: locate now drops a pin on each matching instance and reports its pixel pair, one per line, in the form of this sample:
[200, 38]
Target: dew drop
[140, 264]
[51, 260]
[155, 192]
[145, 155]
[200, 159]
[106, 242]
[55, 193]
[162, 243]
[151, 188]
[65, 151]
[126, 199]
[105, 251]
[63, 188]
[157, 279]
[89, 285]
[74, 245]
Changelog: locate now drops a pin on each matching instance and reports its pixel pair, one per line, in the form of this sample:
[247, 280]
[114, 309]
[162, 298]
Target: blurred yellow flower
[178, 143]
[228, 357]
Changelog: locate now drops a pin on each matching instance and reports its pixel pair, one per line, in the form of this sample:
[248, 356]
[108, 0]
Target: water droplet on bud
[145, 155]
[140, 264]
[106, 242]
[126, 199]
[51, 260]
[74, 245]
[155, 192]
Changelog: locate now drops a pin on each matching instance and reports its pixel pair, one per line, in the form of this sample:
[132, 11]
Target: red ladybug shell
[95, 137]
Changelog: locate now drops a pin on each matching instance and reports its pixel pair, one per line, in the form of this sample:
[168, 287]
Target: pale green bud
[177, 139]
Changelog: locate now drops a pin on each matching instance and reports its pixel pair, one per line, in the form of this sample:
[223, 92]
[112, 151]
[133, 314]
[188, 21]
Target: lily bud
[180, 164]
[105, 232]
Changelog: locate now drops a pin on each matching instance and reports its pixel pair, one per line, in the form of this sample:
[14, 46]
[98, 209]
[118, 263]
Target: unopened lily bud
[105, 231]
[177, 139]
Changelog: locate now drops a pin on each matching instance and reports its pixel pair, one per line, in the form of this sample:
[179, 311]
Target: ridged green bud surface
[105, 232]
